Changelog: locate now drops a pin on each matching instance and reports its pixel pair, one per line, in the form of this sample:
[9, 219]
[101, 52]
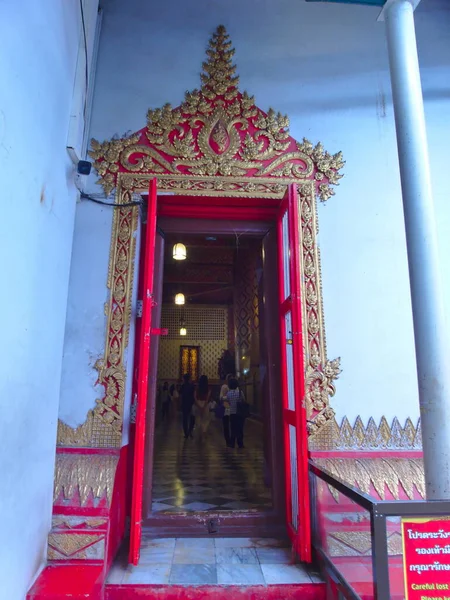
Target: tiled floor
[193, 475]
[222, 561]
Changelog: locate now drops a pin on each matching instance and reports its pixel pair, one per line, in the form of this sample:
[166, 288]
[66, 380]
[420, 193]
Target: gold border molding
[367, 437]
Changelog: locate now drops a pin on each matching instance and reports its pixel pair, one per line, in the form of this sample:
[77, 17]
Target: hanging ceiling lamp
[179, 252]
[179, 299]
[183, 330]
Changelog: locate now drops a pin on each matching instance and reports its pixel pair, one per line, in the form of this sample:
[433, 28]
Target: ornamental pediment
[218, 137]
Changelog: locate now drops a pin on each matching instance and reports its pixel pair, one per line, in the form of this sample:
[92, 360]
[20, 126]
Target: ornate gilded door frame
[216, 144]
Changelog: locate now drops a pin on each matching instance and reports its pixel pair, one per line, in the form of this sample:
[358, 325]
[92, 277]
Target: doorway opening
[242, 304]
[227, 325]
[219, 331]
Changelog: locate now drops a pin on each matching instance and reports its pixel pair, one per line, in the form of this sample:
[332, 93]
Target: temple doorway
[217, 315]
[241, 315]
[213, 334]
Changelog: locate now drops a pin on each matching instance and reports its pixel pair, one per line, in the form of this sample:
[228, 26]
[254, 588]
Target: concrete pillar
[432, 350]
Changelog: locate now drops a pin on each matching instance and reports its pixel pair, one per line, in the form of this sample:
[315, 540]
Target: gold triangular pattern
[370, 437]
[71, 543]
[378, 472]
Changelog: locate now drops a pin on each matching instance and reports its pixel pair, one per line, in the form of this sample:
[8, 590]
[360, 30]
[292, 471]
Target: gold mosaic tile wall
[211, 345]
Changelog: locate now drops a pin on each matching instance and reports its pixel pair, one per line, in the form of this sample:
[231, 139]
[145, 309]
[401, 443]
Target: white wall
[326, 66]
[39, 43]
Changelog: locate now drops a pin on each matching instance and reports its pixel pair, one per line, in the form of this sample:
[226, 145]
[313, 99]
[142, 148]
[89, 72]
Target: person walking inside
[224, 409]
[238, 406]
[187, 403]
[201, 406]
[166, 401]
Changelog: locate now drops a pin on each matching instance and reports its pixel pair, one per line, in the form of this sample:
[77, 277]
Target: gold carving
[109, 153]
[320, 373]
[392, 474]
[86, 475]
[70, 544]
[367, 437]
[219, 77]
[218, 131]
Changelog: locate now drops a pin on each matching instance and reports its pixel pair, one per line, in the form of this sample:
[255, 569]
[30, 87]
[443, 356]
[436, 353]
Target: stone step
[301, 591]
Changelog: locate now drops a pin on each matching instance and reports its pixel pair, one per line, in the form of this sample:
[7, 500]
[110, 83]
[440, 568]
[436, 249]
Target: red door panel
[293, 380]
[143, 372]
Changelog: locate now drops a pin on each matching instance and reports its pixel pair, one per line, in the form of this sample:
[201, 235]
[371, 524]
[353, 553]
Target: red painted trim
[105, 451]
[87, 511]
[144, 363]
[71, 582]
[212, 202]
[308, 591]
[229, 213]
[118, 510]
[284, 391]
[303, 538]
[290, 417]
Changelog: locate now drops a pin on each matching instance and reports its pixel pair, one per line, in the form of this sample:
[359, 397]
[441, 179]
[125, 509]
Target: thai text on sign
[426, 558]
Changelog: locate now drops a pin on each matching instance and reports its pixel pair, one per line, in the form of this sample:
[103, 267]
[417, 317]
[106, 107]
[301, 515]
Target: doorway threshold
[219, 561]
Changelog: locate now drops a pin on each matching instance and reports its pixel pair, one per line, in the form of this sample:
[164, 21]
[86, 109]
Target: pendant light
[179, 299]
[179, 252]
[183, 330]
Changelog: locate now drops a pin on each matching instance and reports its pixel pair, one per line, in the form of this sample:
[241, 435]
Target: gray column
[432, 350]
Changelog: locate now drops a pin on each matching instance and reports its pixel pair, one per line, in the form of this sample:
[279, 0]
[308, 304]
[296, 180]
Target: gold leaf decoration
[367, 437]
[392, 474]
[86, 475]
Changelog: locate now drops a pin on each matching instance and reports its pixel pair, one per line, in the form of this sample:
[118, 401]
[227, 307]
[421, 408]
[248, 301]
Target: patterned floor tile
[197, 506]
[189, 476]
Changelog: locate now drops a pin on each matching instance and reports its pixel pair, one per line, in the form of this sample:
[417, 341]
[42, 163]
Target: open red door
[293, 379]
[143, 373]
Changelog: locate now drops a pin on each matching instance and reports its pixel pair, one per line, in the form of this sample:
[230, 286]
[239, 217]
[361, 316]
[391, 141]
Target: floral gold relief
[217, 132]
[216, 143]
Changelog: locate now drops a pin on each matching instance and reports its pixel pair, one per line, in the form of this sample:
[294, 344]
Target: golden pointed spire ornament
[218, 77]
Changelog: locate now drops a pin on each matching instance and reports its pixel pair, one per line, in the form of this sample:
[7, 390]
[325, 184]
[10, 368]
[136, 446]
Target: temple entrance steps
[190, 568]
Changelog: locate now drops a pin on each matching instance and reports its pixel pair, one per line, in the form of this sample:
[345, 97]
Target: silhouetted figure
[166, 401]
[236, 400]
[225, 409]
[187, 402]
[201, 406]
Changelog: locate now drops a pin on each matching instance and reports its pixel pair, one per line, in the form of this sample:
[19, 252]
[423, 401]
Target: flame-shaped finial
[218, 78]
